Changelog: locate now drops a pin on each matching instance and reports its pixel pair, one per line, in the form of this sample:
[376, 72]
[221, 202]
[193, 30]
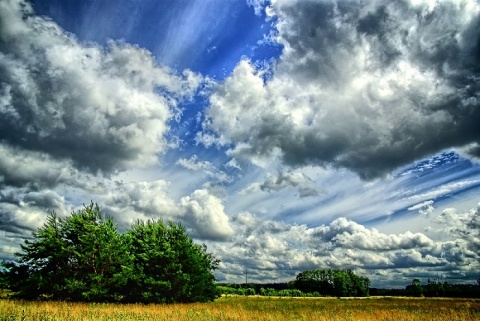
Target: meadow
[251, 308]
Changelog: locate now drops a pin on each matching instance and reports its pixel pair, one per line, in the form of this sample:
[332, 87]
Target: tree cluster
[435, 288]
[311, 283]
[340, 283]
[84, 258]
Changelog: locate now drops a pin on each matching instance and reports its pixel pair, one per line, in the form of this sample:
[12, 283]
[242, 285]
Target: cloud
[46, 199]
[276, 250]
[424, 208]
[206, 167]
[100, 108]
[446, 189]
[421, 206]
[258, 5]
[204, 213]
[128, 201]
[367, 87]
[284, 179]
[19, 167]
[346, 233]
[23, 210]
[465, 225]
[20, 219]
[201, 212]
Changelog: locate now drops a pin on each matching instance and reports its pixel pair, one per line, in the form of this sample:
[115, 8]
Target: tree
[415, 289]
[433, 288]
[315, 280]
[84, 258]
[168, 266]
[96, 258]
[78, 258]
[332, 282]
[35, 271]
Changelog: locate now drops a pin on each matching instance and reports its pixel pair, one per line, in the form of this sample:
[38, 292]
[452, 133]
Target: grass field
[252, 308]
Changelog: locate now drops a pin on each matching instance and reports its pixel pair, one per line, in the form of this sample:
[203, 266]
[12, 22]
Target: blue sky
[208, 37]
[286, 135]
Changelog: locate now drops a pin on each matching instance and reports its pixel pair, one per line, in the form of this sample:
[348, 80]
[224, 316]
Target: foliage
[415, 289]
[442, 289]
[84, 258]
[311, 283]
[168, 265]
[340, 283]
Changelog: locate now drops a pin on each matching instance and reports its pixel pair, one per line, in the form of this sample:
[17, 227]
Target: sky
[286, 135]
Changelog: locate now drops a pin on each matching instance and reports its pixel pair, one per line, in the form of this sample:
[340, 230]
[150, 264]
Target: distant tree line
[311, 284]
[84, 258]
[433, 288]
[340, 283]
[442, 289]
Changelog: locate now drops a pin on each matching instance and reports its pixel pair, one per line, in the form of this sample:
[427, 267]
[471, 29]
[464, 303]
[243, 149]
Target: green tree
[168, 266]
[415, 289]
[250, 291]
[39, 264]
[332, 282]
[97, 260]
[77, 258]
[315, 280]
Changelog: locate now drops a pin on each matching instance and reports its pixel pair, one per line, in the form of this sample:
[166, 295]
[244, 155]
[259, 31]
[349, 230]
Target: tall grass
[251, 308]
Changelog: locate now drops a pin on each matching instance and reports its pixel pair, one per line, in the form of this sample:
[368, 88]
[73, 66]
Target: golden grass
[251, 308]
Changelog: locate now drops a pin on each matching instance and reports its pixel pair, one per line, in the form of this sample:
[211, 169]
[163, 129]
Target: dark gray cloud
[96, 107]
[19, 167]
[286, 179]
[367, 86]
[19, 220]
[46, 199]
[306, 187]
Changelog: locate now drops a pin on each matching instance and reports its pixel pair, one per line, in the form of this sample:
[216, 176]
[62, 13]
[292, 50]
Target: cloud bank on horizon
[346, 136]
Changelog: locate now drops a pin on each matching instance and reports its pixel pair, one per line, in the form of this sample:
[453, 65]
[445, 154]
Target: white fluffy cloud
[277, 250]
[204, 212]
[364, 86]
[101, 108]
[345, 233]
[201, 212]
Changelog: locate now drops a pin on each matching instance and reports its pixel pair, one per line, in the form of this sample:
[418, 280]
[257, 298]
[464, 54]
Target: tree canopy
[84, 258]
[332, 282]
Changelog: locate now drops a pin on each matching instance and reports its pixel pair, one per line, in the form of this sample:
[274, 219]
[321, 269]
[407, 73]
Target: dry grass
[251, 308]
